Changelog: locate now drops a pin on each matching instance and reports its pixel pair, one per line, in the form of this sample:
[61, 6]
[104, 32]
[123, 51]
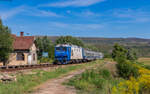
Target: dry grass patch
[146, 61]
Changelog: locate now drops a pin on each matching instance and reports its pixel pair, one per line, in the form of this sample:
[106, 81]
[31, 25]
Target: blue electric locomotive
[62, 54]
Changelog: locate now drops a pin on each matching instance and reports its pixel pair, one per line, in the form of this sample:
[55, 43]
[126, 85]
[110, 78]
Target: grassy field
[26, 83]
[145, 61]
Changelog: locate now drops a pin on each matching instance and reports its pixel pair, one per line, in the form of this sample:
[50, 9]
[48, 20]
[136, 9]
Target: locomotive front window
[64, 49]
[57, 49]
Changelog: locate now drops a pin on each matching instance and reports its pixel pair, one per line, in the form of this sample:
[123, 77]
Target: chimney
[21, 34]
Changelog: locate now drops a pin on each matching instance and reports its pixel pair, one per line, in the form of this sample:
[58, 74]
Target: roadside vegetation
[26, 82]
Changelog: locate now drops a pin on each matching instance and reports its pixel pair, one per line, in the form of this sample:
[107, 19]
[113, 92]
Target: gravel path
[55, 86]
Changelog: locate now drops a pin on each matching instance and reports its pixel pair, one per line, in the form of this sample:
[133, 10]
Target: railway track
[23, 67]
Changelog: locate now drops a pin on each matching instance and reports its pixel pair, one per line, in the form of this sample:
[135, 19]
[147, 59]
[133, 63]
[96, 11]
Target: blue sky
[84, 18]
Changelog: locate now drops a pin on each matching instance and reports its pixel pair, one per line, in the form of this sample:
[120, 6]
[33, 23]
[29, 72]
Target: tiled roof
[23, 42]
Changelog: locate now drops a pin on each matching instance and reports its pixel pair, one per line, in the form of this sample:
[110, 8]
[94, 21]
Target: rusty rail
[23, 67]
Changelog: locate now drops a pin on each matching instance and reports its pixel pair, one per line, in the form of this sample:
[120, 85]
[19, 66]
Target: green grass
[26, 83]
[94, 81]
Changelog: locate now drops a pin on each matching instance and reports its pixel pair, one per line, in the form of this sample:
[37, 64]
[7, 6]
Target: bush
[126, 69]
[45, 60]
[105, 73]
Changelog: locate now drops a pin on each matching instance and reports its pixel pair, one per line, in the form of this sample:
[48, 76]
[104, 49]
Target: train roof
[70, 45]
[67, 45]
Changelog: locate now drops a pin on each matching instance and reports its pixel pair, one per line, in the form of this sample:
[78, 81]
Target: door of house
[29, 59]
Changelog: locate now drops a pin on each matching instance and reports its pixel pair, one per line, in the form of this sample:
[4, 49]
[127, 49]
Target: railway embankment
[26, 81]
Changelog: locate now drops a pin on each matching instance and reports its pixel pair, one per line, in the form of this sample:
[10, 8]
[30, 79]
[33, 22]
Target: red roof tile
[23, 42]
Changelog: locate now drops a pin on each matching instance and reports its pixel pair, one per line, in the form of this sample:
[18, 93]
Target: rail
[22, 67]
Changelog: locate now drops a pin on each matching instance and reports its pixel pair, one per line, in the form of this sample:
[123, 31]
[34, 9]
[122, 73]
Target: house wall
[13, 57]
[33, 50]
[1, 64]
[14, 61]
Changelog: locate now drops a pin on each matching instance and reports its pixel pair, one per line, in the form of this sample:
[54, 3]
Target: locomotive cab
[62, 54]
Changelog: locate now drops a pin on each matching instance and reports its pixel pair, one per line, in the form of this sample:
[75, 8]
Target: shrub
[105, 73]
[45, 60]
[126, 69]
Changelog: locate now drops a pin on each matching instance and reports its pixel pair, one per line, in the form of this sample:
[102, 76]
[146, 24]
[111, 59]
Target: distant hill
[106, 44]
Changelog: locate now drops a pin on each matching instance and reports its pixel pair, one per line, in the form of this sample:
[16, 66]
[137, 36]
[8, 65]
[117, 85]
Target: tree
[40, 47]
[131, 54]
[91, 47]
[119, 52]
[51, 51]
[69, 40]
[44, 45]
[124, 53]
[6, 43]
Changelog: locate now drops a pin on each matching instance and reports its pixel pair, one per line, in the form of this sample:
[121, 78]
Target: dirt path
[55, 86]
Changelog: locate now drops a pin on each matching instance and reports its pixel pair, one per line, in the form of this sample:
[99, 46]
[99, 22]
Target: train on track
[65, 54]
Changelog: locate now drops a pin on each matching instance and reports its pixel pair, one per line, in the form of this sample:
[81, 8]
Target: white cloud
[26, 10]
[68, 11]
[88, 14]
[33, 11]
[131, 16]
[10, 13]
[78, 27]
[74, 3]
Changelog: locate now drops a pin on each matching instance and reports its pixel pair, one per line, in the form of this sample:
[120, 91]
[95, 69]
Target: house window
[20, 56]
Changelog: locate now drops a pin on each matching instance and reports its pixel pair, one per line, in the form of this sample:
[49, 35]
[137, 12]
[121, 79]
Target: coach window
[20, 57]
